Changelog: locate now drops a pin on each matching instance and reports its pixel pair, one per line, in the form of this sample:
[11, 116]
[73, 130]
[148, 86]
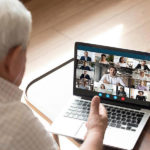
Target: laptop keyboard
[79, 110]
[117, 117]
[123, 118]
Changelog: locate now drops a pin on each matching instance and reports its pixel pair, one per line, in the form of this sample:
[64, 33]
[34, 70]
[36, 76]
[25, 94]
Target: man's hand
[97, 121]
[96, 126]
[105, 81]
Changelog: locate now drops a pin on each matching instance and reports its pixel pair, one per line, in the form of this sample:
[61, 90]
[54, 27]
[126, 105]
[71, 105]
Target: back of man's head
[15, 26]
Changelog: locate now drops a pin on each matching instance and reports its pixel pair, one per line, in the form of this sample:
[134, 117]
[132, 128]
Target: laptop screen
[114, 74]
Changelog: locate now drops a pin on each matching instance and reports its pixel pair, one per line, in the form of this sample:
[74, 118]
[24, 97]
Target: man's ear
[14, 65]
[12, 59]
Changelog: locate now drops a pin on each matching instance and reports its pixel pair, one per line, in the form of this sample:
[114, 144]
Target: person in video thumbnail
[85, 66]
[142, 86]
[142, 76]
[85, 76]
[142, 66]
[85, 57]
[112, 78]
[103, 59]
[122, 62]
[140, 96]
[84, 85]
[102, 86]
[121, 92]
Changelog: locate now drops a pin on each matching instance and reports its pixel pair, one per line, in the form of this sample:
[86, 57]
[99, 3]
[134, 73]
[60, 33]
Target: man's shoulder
[138, 65]
[105, 76]
[23, 110]
[18, 114]
[89, 57]
[82, 67]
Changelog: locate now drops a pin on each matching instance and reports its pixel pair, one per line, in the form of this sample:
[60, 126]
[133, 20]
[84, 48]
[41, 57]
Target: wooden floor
[57, 24]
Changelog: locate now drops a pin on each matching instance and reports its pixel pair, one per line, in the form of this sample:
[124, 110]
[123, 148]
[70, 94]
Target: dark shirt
[85, 68]
[140, 98]
[123, 93]
[85, 76]
[139, 67]
[83, 58]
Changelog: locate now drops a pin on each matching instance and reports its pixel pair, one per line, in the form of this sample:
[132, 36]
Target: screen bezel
[90, 94]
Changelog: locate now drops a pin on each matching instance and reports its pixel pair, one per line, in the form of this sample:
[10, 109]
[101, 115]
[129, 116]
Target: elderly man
[19, 129]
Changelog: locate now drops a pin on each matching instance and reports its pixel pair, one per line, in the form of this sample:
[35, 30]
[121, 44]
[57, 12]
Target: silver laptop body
[128, 110]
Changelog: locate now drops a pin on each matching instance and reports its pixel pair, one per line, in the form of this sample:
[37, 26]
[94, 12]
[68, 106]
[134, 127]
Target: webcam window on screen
[113, 74]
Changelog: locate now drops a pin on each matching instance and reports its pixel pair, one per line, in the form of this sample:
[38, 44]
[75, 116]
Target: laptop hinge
[125, 105]
[86, 98]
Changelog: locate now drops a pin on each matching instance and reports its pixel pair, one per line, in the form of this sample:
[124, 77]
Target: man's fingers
[102, 111]
[95, 105]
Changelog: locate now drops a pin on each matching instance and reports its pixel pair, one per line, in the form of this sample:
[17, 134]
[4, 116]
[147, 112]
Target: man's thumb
[95, 105]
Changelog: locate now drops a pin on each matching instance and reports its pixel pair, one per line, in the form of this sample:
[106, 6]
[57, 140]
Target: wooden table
[49, 93]
[25, 1]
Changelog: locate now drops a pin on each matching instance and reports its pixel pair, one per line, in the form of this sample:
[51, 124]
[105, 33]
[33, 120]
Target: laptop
[121, 78]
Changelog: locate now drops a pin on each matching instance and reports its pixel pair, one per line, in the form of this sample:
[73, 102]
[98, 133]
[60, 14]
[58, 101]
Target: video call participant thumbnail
[85, 66]
[121, 92]
[140, 96]
[142, 66]
[85, 76]
[142, 85]
[102, 86]
[85, 57]
[122, 62]
[84, 85]
[103, 59]
[112, 77]
[143, 76]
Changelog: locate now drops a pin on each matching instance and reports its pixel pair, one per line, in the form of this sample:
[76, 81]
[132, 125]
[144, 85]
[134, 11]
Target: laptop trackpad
[81, 132]
[66, 126]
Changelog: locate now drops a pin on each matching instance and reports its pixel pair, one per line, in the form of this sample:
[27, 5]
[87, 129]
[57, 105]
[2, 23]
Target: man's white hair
[15, 25]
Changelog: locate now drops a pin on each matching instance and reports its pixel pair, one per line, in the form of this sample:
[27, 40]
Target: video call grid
[114, 75]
